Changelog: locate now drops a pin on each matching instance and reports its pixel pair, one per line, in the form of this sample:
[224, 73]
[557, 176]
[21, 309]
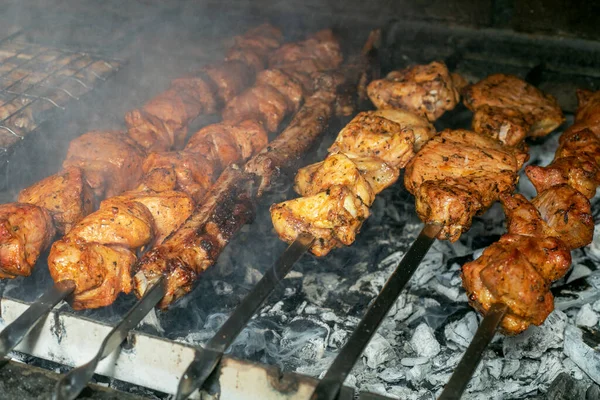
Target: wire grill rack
[38, 81]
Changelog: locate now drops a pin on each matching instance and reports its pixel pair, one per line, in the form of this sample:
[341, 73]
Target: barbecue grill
[291, 341]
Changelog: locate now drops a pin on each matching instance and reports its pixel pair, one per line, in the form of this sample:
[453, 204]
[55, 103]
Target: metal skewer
[329, 387]
[76, 380]
[468, 364]
[208, 358]
[12, 335]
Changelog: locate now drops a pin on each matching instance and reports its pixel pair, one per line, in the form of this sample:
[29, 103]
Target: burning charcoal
[391, 375]
[404, 393]
[431, 265]
[338, 337]
[403, 307]
[378, 351]
[586, 316]
[586, 357]
[222, 288]
[412, 361]
[417, 373]
[378, 388]
[317, 286]
[564, 387]
[305, 338]
[423, 341]
[462, 331]
[537, 339]
[510, 367]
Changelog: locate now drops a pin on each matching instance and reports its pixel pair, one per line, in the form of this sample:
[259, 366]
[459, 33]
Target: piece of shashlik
[519, 269]
[209, 152]
[101, 164]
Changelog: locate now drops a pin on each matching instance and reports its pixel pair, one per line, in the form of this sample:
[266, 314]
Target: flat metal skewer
[207, 359]
[77, 379]
[329, 387]
[468, 364]
[12, 335]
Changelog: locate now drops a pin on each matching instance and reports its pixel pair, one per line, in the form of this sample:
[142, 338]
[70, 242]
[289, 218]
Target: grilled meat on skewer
[197, 244]
[519, 269]
[509, 109]
[426, 90]
[110, 162]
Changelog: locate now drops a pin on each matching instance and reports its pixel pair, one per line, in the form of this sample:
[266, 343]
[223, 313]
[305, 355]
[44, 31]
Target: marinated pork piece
[65, 195]
[255, 45]
[517, 271]
[459, 174]
[230, 77]
[577, 160]
[369, 135]
[427, 90]
[111, 161]
[285, 84]
[25, 231]
[509, 109]
[262, 103]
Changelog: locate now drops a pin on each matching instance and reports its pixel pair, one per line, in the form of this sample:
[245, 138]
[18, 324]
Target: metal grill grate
[37, 81]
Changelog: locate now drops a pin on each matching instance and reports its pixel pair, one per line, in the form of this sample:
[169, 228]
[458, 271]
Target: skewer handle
[207, 359]
[77, 379]
[468, 364]
[329, 387]
[12, 335]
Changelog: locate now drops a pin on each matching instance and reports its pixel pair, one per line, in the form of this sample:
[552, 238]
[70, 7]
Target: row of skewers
[454, 176]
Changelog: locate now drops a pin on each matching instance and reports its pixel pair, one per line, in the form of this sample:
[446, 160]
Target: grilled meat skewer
[519, 269]
[100, 164]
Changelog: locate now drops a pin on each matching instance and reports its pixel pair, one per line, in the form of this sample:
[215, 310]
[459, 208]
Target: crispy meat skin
[508, 108]
[25, 231]
[459, 174]
[422, 129]
[427, 90]
[285, 151]
[111, 162]
[196, 245]
[65, 195]
[517, 271]
[577, 160]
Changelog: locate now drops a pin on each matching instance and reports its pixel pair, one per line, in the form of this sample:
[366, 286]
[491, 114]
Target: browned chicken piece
[422, 129]
[459, 174]
[253, 47]
[230, 78]
[333, 217]
[111, 162]
[427, 90]
[100, 272]
[262, 103]
[200, 93]
[508, 108]
[285, 151]
[335, 170]
[196, 245]
[369, 135]
[252, 58]
[169, 209]
[125, 223]
[588, 111]
[517, 271]
[65, 195]
[320, 52]
[191, 173]
[285, 84]
[25, 231]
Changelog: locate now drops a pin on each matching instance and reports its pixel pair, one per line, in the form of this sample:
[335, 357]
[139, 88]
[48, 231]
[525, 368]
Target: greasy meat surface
[369, 135]
[25, 231]
[334, 216]
[65, 195]
[459, 174]
[336, 169]
[230, 77]
[285, 84]
[262, 103]
[588, 111]
[508, 108]
[427, 90]
[320, 52]
[100, 271]
[196, 245]
[111, 162]
[285, 151]
[422, 129]
[517, 271]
